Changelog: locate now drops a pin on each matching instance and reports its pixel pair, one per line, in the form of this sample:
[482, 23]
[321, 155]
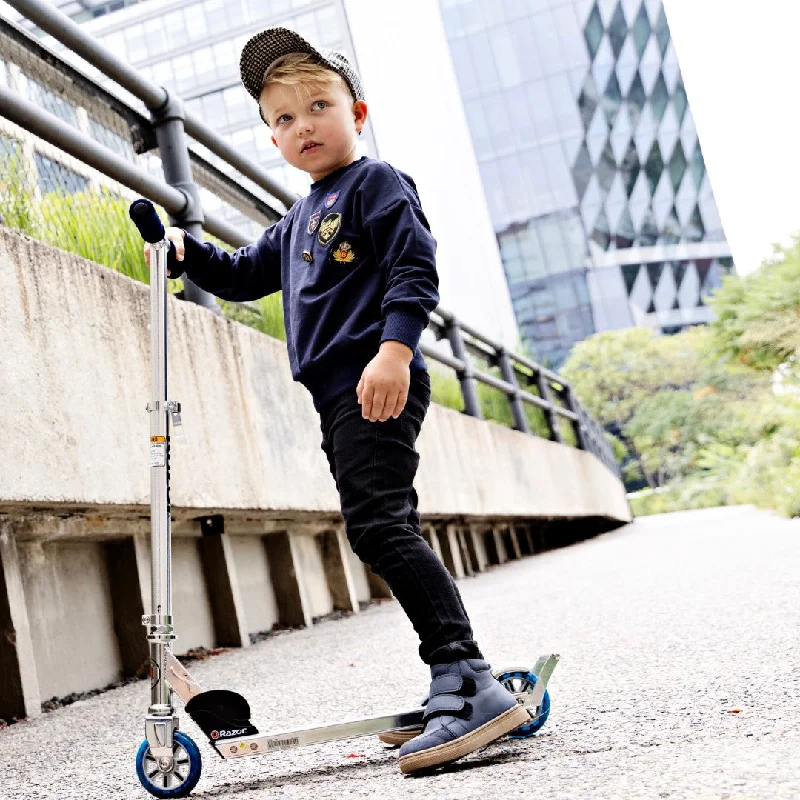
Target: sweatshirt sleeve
[246, 274]
[406, 250]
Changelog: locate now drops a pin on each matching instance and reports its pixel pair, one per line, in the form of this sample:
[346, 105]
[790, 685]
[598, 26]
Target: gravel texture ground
[679, 678]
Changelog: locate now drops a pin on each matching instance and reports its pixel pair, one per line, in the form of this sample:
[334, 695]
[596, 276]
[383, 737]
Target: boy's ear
[360, 113]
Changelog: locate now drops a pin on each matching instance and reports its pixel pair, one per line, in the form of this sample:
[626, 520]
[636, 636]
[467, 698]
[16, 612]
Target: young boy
[356, 262]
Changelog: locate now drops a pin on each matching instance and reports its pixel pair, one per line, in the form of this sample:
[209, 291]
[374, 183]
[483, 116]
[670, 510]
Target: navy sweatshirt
[356, 262]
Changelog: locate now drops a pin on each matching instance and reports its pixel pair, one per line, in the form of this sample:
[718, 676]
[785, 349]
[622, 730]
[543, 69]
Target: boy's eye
[281, 118]
[321, 103]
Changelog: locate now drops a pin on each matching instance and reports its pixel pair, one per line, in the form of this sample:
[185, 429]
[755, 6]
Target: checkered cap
[270, 44]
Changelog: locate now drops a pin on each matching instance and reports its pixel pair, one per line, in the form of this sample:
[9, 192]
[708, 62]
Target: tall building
[193, 46]
[591, 165]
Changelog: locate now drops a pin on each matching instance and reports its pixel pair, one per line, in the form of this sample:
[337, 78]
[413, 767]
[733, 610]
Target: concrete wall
[258, 538]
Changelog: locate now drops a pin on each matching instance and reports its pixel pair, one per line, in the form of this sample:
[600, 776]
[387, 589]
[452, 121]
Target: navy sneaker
[467, 710]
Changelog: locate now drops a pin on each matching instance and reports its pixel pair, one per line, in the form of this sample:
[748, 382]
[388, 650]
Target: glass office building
[591, 165]
[192, 48]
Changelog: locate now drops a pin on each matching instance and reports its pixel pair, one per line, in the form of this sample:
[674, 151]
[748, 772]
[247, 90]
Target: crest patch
[313, 221]
[328, 228]
[344, 253]
[331, 199]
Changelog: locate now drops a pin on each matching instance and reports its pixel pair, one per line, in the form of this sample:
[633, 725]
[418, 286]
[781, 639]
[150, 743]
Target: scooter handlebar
[143, 213]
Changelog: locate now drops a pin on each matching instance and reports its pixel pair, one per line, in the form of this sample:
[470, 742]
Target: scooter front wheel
[521, 683]
[179, 778]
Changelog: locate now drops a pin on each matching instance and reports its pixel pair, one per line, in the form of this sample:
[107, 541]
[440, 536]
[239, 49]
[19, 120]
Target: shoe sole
[469, 743]
[399, 737]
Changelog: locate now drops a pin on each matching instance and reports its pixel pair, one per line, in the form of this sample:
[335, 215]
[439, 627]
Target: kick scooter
[168, 763]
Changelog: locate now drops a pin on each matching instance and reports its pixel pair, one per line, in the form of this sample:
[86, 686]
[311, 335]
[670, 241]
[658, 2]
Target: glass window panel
[481, 139]
[137, 46]
[465, 67]
[553, 245]
[654, 167]
[224, 56]
[558, 175]
[328, 26]
[698, 167]
[617, 30]
[659, 98]
[567, 118]
[544, 118]
[574, 238]
[156, 38]
[55, 177]
[531, 253]
[483, 57]
[681, 101]
[472, 17]
[641, 30]
[569, 33]
[451, 18]
[203, 65]
[493, 189]
[506, 59]
[51, 102]
[593, 31]
[535, 177]
[524, 46]
[184, 72]
[519, 114]
[509, 246]
[216, 17]
[549, 49]
[499, 123]
[162, 73]
[513, 187]
[514, 9]
[116, 43]
[195, 21]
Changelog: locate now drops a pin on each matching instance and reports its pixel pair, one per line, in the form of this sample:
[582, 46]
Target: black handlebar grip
[143, 213]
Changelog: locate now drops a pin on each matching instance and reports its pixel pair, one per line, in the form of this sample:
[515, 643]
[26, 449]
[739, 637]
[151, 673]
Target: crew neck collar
[337, 173]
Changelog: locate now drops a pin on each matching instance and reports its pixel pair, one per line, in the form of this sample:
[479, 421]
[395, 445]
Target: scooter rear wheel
[522, 683]
[180, 779]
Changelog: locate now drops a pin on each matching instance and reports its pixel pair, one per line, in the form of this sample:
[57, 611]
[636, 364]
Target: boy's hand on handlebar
[175, 235]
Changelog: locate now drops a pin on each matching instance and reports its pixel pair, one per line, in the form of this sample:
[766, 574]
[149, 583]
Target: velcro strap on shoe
[446, 684]
[448, 704]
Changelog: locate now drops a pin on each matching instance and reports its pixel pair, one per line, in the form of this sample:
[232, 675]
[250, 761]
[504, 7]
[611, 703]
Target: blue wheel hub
[522, 683]
[179, 778]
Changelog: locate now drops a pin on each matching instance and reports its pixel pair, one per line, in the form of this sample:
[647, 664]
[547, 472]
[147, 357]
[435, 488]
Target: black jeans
[374, 464]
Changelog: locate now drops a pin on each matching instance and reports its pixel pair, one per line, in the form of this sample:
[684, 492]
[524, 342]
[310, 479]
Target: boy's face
[315, 130]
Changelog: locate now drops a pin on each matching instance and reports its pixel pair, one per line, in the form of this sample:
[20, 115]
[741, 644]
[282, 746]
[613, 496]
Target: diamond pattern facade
[636, 119]
[591, 165]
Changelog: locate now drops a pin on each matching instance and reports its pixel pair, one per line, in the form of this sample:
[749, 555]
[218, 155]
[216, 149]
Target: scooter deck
[259, 744]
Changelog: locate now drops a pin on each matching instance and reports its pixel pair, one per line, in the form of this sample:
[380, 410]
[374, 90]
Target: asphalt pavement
[679, 678]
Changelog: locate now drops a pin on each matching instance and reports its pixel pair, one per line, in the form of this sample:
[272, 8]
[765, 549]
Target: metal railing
[242, 193]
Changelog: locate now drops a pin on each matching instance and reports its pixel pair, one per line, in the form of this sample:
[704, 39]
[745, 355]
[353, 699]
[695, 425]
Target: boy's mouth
[311, 147]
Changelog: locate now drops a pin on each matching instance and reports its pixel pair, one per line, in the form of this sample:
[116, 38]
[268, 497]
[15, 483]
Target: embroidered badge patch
[328, 228]
[331, 199]
[313, 221]
[344, 253]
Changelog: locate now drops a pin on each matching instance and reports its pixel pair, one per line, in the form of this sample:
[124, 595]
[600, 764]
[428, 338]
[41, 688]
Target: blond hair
[302, 71]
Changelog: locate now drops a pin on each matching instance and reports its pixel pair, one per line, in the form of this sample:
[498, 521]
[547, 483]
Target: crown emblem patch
[344, 253]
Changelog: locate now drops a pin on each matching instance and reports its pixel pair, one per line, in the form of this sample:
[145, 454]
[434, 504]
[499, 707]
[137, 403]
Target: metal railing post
[581, 434]
[517, 409]
[550, 416]
[168, 122]
[469, 389]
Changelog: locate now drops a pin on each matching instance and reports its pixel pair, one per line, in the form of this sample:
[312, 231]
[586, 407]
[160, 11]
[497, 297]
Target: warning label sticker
[158, 454]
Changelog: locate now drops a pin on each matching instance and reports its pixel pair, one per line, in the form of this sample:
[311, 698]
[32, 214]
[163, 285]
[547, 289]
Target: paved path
[680, 678]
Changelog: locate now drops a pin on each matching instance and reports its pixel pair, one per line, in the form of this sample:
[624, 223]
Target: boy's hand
[383, 388]
[175, 235]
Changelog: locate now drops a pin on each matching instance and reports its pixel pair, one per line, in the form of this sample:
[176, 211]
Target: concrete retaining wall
[258, 538]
